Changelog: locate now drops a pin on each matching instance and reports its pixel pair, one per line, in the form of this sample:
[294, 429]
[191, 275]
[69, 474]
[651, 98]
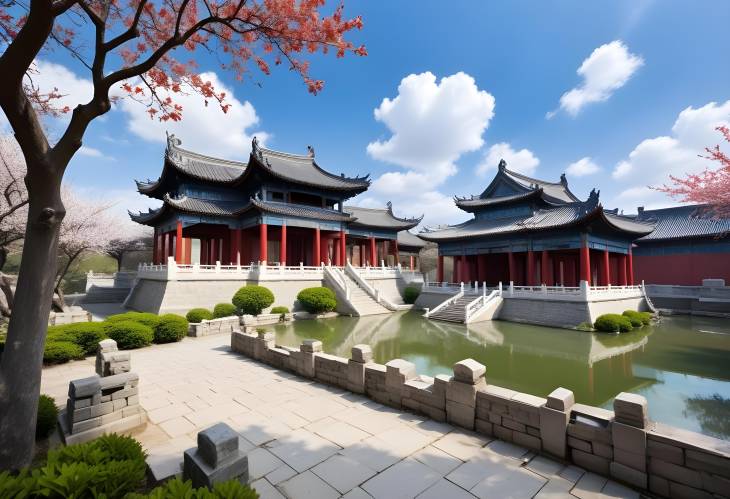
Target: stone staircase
[454, 312]
[100, 294]
[361, 301]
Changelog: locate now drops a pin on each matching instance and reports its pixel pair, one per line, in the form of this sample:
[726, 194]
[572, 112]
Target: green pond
[681, 364]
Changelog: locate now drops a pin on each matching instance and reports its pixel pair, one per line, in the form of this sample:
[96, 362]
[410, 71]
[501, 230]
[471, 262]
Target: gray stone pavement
[305, 439]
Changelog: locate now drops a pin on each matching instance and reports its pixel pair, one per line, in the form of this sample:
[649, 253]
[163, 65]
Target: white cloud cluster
[204, 129]
[432, 123]
[607, 69]
[49, 77]
[652, 161]
[582, 167]
[522, 161]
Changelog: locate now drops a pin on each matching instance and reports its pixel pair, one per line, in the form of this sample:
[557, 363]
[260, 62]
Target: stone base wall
[429, 299]
[224, 325]
[622, 444]
[564, 314]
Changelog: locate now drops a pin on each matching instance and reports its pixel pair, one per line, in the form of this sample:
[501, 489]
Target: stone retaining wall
[622, 444]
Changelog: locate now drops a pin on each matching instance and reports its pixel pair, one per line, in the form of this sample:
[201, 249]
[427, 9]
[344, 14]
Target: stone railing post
[264, 342]
[629, 439]
[171, 267]
[305, 357]
[216, 459]
[110, 361]
[511, 288]
[584, 290]
[217, 267]
[397, 372]
[554, 417]
[461, 392]
[361, 355]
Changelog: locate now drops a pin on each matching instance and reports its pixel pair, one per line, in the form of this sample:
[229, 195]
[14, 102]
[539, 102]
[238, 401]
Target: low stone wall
[70, 317]
[622, 444]
[224, 325]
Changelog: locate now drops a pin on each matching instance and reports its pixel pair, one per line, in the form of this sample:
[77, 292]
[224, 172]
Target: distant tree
[144, 49]
[711, 187]
[120, 246]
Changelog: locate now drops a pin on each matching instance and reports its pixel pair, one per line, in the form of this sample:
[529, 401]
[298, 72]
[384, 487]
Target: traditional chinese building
[531, 232]
[278, 208]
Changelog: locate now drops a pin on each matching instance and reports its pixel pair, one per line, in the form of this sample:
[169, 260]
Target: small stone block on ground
[217, 443]
[216, 459]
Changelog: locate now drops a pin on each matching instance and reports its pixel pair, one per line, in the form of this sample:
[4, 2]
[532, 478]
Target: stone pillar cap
[310, 346]
[217, 443]
[362, 353]
[561, 399]
[469, 371]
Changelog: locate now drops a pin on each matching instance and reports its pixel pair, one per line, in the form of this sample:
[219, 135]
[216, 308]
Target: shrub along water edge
[252, 300]
[317, 300]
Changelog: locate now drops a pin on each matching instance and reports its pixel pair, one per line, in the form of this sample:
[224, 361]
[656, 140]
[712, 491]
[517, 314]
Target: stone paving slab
[305, 439]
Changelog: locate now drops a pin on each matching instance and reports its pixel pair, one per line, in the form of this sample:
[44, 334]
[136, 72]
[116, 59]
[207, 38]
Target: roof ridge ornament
[502, 165]
[310, 151]
[563, 179]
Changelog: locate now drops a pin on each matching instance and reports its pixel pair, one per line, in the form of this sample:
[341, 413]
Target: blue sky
[512, 60]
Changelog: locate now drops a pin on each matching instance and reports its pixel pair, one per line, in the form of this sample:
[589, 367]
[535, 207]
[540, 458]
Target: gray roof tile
[383, 218]
[683, 222]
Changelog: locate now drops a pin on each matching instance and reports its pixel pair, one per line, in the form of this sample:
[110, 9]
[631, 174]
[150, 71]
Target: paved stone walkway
[306, 439]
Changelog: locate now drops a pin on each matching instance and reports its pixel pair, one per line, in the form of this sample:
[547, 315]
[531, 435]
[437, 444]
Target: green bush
[253, 299]
[644, 317]
[317, 300]
[130, 334]
[87, 335]
[224, 310]
[171, 328]
[58, 352]
[612, 323]
[633, 318]
[47, 414]
[410, 294]
[176, 488]
[110, 466]
[146, 318]
[280, 309]
[199, 315]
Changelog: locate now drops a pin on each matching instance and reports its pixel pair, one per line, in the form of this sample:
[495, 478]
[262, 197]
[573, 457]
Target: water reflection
[676, 364]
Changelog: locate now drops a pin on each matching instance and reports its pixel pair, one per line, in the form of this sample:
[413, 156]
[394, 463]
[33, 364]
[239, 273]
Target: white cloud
[653, 160]
[49, 77]
[433, 124]
[523, 161]
[92, 152]
[607, 69]
[582, 167]
[203, 129]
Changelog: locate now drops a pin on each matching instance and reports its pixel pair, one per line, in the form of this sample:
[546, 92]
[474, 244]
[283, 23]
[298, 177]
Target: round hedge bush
[146, 318]
[253, 299]
[130, 334]
[199, 315]
[171, 328]
[644, 317]
[280, 309]
[410, 294]
[47, 414]
[317, 300]
[612, 323]
[224, 310]
[634, 319]
[58, 352]
[87, 335]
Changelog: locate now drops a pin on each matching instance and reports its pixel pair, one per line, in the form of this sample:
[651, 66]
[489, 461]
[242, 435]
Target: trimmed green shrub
[176, 488]
[199, 315]
[634, 319]
[612, 323]
[87, 335]
[47, 414]
[280, 309]
[130, 334]
[410, 294]
[146, 318]
[253, 299]
[644, 317]
[58, 352]
[171, 328]
[224, 310]
[317, 300]
[110, 466]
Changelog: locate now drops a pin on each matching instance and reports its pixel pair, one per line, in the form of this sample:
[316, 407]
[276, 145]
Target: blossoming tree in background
[140, 47]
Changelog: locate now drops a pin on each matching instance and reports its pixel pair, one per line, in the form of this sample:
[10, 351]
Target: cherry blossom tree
[711, 187]
[136, 47]
[120, 246]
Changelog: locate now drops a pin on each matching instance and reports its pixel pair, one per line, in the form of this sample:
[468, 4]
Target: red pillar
[511, 266]
[622, 270]
[440, 269]
[545, 269]
[630, 268]
[214, 253]
[316, 252]
[343, 248]
[263, 243]
[481, 267]
[337, 247]
[395, 252]
[178, 243]
[585, 263]
[188, 250]
[410, 261]
[530, 268]
[154, 247]
[374, 253]
[606, 274]
[282, 244]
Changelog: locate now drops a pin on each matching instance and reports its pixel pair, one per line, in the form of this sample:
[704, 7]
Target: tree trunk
[22, 360]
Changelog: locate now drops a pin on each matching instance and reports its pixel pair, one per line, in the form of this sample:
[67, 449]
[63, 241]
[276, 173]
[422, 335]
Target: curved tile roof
[683, 222]
[383, 218]
[408, 239]
[300, 211]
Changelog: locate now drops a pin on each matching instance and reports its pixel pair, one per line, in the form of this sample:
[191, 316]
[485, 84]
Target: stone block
[356, 376]
[703, 461]
[310, 346]
[499, 395]
[495, 418]
[130, 411]
[628, 438]
[124, 393]
[635, 461]
[603, 450]
[469, 371]
[84, 387]
[119, 404]
[502, 433]
[715, 484]
[589, 429]
[81, 403]
[561, 399]
[535, 432]
[579, 444]
[86, 424]
[133, 400]
[463, 393]
[111, 417]
[665, 452]
[675, 472]
[681, 491]
[362, 354]
[460, 414]
[398, 371]
[659, 485]
[630, 409]
[529, 403]
[590, 462]
[483, 427]
[629, 475]
[526, 440]
[119, 380]
[440, 385]
[217, 443]
[107, 345]
[513, 425]
[201, 474]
